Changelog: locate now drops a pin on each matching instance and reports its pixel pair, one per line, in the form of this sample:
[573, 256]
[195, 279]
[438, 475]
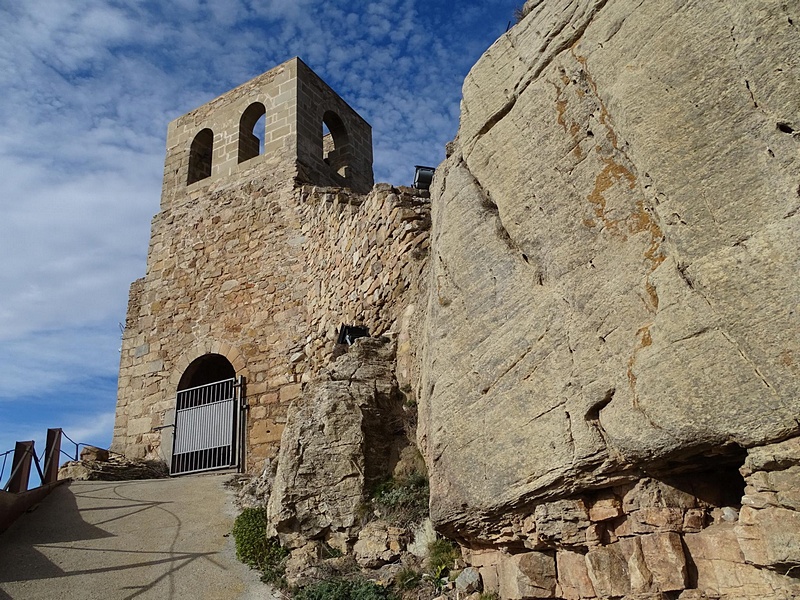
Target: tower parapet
[287, 118]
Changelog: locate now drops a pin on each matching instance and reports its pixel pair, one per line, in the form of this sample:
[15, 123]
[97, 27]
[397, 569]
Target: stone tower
[267, 242]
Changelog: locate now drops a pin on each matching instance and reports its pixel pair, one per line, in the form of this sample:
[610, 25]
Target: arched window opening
[209, 368]
[200, 154]
[335, 144]
[252, 129]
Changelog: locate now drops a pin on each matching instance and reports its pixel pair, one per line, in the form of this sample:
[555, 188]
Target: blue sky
[87, 88]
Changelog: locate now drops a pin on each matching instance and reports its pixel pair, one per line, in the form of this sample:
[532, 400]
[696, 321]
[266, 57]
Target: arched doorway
[207, 417]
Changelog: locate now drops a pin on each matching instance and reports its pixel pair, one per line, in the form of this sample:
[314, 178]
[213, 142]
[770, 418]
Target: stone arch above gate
[230, 353]
[208, 368]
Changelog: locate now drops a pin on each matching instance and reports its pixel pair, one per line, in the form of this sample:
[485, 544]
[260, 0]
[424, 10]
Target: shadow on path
[127, 539]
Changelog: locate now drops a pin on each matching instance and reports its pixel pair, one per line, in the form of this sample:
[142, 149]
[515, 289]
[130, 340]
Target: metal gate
[208, 427]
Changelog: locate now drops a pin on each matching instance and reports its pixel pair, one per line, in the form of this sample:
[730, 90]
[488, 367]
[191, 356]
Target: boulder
[469, 581]
[527, 575]
[340, 439]
[93, 453]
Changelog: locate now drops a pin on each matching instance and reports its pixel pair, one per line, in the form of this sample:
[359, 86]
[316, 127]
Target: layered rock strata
[613, 300]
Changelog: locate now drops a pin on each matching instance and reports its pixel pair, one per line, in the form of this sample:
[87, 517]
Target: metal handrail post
[20, 468]
[52, 453]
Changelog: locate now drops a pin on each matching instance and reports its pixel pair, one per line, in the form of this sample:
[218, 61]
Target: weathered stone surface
[340, 437]
[116, 468]
[615, 246]
[93, 453]
[720, 565]
[768, 528]
[375, 546]
[422, 537]
[573, 576]
[665, 560]
[469, 581]
[528, 575]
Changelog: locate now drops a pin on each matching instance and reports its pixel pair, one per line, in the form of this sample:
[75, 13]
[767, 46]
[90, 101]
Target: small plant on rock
[442, 556]
[402, 501]
[407, 578]
[253, 547]
[344, 589]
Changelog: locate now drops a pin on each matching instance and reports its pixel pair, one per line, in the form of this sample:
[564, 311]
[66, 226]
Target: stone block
[373, 548]
[665, 559]
[93, 453]
[528, 575]
[770, 536]
[290, 392]
[469, 581]
[139, 425]
[608, 571]
[605, 508]
[573, 576]
[265, 431]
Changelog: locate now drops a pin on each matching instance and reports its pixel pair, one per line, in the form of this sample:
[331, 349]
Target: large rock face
[615, 244]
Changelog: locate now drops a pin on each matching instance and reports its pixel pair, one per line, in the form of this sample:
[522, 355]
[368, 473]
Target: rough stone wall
[263, 274]
[251, 264]
[690, 536]
[613, 288]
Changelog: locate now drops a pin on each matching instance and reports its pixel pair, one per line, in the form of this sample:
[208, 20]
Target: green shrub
[407, 578]
[253, 547]
[402, 501]
[344, 589]
[442, 555]
[489, 596]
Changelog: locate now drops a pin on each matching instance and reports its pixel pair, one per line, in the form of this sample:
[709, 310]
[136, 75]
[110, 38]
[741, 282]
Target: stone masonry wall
[264, 274]
[246, 263]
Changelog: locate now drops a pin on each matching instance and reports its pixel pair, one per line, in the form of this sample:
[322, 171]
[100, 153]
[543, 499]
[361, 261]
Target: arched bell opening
[252, 130]
[201, 153]
[335, 144]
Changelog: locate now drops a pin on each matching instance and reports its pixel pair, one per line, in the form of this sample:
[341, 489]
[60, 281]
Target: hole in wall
[713, 476]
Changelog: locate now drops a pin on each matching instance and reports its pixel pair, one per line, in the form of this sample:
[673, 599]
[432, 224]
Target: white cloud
[88, 89]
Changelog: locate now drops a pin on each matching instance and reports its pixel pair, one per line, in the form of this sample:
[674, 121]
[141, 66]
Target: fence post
[52, 454]
[21, 467]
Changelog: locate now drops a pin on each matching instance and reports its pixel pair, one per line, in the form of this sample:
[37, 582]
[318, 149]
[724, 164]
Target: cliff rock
[610, 367]
[614, 252]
